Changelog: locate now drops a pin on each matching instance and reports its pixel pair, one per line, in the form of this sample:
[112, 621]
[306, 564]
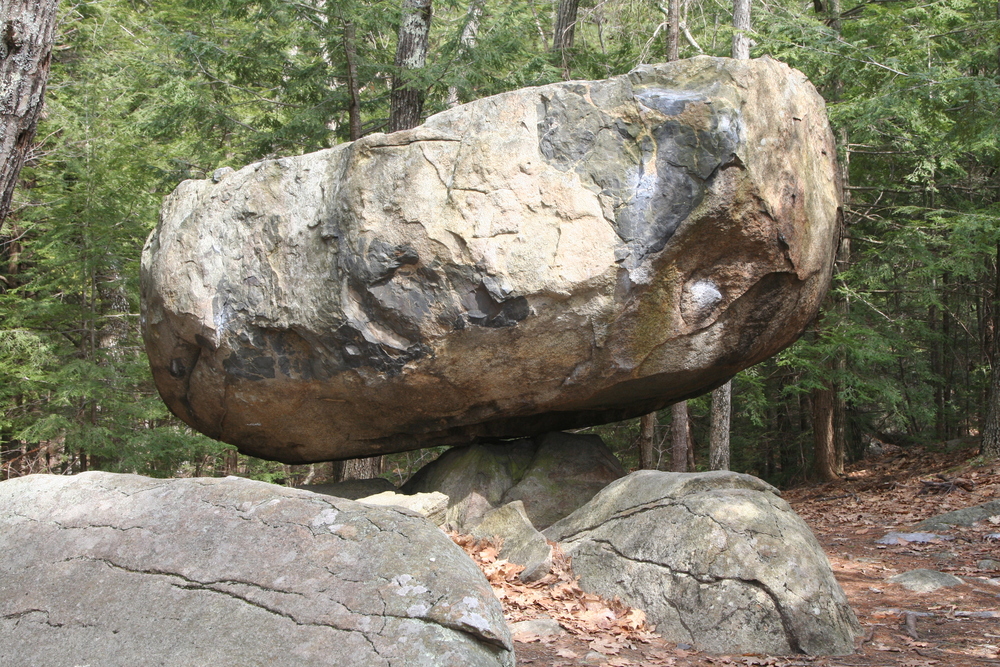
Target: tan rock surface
[544, 259]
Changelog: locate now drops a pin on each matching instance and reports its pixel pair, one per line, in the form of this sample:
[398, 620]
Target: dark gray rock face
[352, 489]
[104, 569]
[552, 475]
[715, 559]
[541, 260]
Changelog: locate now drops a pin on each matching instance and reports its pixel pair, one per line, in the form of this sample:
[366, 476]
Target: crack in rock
[476, 632]
[786, 622]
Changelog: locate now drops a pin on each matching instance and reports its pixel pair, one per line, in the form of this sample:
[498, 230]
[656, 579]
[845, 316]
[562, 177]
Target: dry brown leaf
[618, 661]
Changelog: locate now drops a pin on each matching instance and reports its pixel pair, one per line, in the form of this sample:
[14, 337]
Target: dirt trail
[957, 626]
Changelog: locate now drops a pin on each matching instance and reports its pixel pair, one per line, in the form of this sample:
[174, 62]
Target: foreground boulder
[105, 569]
[544, 259]
[716, 560]
[551, 475]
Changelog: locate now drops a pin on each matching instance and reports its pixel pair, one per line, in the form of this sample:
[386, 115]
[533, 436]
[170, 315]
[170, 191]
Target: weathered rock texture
[963, 517]
[925, 581]
[715, 559]
[431, 506]
[552, 475]
[104, 569]
[543, 259]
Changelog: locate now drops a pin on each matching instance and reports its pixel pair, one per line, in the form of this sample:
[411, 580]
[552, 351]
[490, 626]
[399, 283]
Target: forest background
[145, 94]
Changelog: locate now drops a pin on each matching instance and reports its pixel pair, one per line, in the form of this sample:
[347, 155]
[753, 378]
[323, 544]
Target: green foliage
[144, 95]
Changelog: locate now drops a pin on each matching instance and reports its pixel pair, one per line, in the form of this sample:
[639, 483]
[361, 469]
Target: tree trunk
[824, 435]
[27, 30]
[467, 42]
[690, 453]
[991, 426]
[406, 103]
[647, 434]
[354, 106]
[680, 431]
[367, 468]
[562, 37]
[718, 443]
[741, 23]
[991, 430]
[231, 462]
[673, 29]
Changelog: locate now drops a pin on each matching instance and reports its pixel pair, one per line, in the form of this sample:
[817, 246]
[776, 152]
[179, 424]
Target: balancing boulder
[545, 259]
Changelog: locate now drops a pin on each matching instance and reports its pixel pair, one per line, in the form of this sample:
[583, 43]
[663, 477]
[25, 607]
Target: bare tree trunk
[741, 23]
[991, 425]
[27, 30]
[367, 468]
[647, 434]
[824, 434]
[680, 432]
[991, 429]
[690, 453]
[354, 106]
[673, 29]
[562, 37]
[467, 42]
[231, 462]
[406, 103]
[718, 442]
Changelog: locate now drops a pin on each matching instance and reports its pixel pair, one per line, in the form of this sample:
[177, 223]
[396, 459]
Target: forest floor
[957, 626]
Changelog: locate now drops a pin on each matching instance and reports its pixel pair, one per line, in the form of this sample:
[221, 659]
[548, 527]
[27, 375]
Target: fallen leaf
[619, 661]
[882, 647]
[605, 646]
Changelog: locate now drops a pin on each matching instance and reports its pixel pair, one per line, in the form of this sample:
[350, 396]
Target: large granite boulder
[105, 569]
[545, 259]
[715, 559]
[552, 475]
